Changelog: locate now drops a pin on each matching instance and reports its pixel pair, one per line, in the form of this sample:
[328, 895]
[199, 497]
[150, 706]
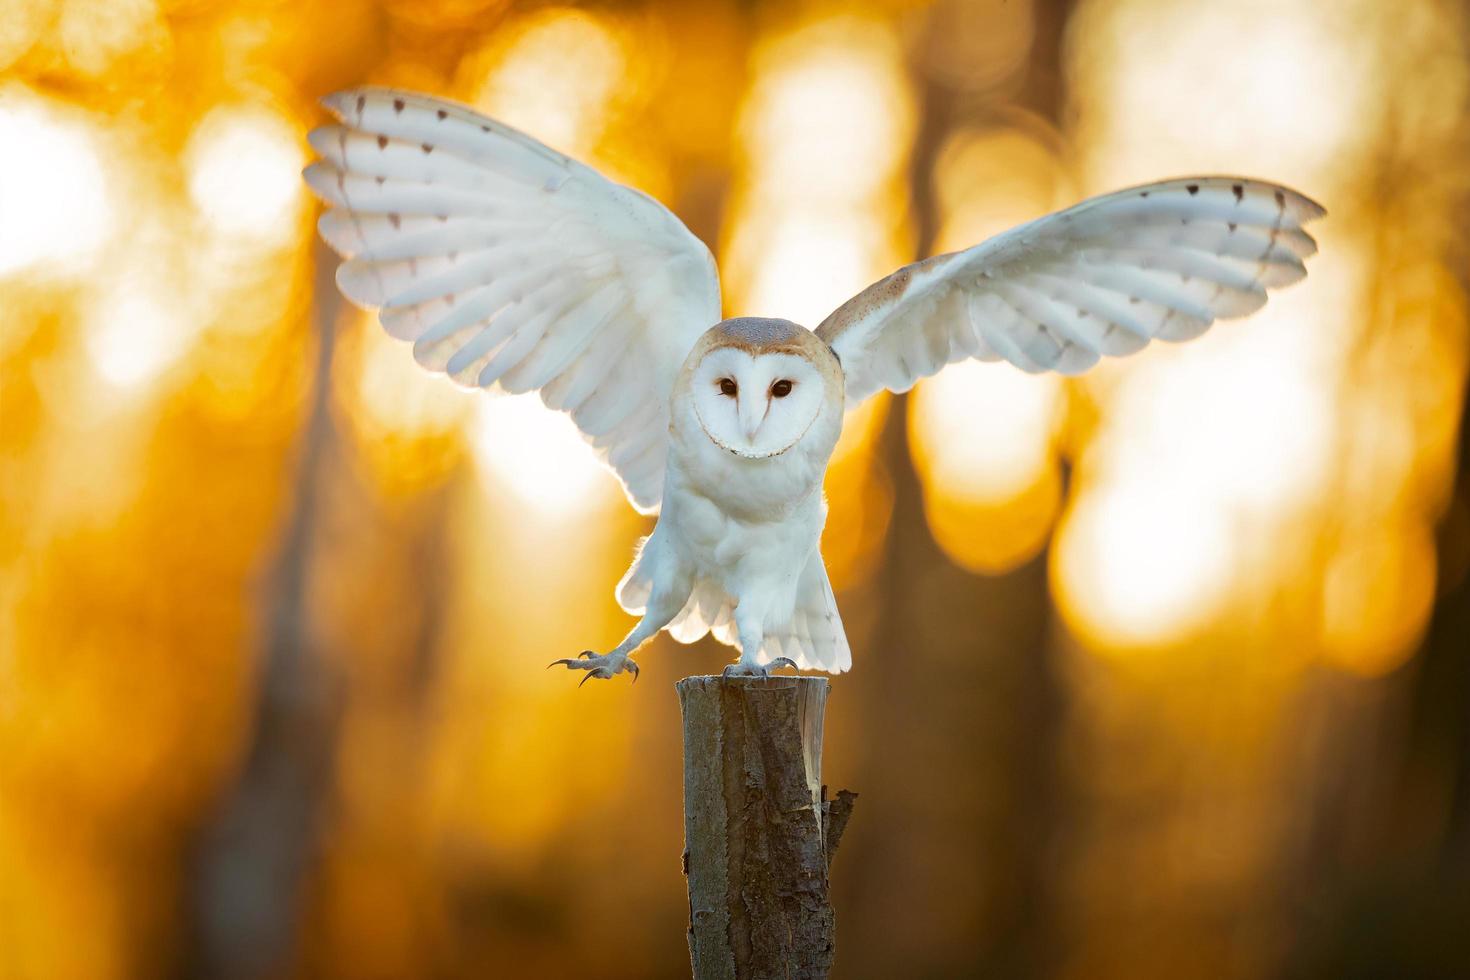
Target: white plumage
[509, 265]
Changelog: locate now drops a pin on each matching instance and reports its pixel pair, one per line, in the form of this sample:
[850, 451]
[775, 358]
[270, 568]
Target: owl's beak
[752, 413]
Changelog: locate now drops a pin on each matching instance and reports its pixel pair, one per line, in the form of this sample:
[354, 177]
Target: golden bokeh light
[1139, 566]
[93, 34]
[541, 457]
[406, 423]
[981, 435]
[1376, 597]
[1215, 414]
[137, 327]
[21, 22]
[829, 113]
[1247, 422]
[861, 427]
[55, 195]
[807, 262]
[990, 180]
[859, 497]
[976, 45]
[1293, 96]
[983, 431]
[526, 84]
[809, 233]
[244, 171]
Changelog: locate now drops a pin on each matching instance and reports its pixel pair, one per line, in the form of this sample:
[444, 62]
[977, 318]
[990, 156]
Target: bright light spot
[393, 394]
[244, 164]
[829, 113]
[54, 206]
[824, 131]
[1245, 426]
[1226, 87]
[135, 332]
[982, 431]
[989, 181]
[1376, 597]
[803, 265]
[531, 88]
[406, 423]
[1141, 563]
[539, 455]
[981, 435]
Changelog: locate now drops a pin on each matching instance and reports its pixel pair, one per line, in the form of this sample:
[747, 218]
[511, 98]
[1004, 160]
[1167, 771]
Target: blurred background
[1162, 672]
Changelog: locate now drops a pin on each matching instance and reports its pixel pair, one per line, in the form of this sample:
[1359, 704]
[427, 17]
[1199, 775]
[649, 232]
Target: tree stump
[758, 832]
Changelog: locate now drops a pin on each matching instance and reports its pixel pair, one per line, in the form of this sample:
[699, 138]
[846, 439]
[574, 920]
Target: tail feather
[814, 638]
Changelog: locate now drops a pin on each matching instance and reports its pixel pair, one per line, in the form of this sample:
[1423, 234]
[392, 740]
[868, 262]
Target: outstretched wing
[1107, 276]
[509, 265]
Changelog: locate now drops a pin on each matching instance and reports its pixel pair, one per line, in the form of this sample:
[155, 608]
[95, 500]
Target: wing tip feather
[350, 277]
[1310, 208]
[322, 139]
[338, 104]
[323, 178]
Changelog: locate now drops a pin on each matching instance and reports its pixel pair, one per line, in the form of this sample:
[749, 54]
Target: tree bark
[759, 833]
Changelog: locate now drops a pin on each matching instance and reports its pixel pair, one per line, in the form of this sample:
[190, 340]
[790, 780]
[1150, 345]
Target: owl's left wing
[1107, 276]
[509, 265]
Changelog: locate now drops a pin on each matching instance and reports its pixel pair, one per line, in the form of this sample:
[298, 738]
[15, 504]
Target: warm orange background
[1164, 672]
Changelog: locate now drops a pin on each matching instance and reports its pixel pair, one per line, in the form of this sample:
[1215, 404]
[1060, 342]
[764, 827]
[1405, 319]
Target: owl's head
[758, 386]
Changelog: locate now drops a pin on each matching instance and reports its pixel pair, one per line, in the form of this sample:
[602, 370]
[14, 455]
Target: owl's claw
[602, 666]
[742, 669]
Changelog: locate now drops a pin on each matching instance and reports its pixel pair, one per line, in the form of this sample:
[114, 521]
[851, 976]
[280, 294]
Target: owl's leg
[663, 606]
[749, 624]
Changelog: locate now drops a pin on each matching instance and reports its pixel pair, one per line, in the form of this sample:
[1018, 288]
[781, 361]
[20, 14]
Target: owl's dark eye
[781, 388]
[727, 387]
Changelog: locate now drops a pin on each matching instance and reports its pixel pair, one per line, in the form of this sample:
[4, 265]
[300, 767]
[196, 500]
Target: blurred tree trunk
[1387, 872]
[249, 861]
[973, 785]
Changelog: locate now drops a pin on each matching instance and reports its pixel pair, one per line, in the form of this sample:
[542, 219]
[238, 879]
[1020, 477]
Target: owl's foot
[602, 666]
[743, 669]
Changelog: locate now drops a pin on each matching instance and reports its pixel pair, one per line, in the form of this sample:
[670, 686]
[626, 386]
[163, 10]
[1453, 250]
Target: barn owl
[509, 266]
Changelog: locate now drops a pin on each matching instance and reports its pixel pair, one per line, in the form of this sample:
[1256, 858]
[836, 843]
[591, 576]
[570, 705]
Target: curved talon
[602, 666]
[781, 662]
[596, 672]
[572, 662]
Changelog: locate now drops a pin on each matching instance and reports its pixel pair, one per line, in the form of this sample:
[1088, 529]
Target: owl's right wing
[1105, 277]
[509, 265]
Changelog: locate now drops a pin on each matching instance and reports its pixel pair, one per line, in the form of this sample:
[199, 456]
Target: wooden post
[759, 834]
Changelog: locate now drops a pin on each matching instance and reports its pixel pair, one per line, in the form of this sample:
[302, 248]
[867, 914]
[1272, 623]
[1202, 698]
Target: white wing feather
[509, 265]
[1102, 278]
